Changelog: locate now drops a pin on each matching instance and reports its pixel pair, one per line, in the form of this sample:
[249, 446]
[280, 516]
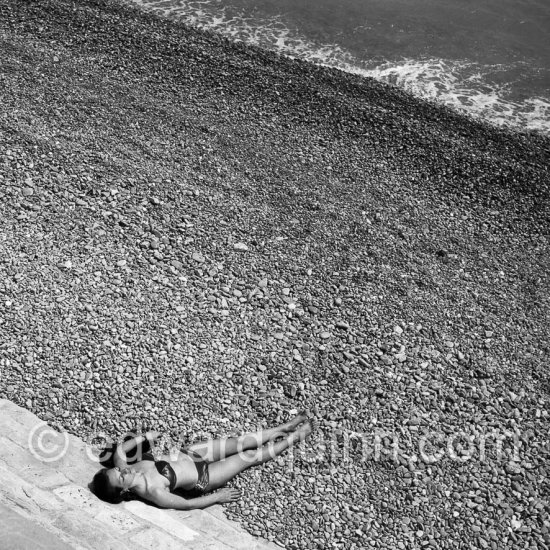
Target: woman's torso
[184, 468]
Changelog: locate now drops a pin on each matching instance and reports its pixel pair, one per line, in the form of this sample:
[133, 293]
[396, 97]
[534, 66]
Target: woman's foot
[292, 424]
[303, 432]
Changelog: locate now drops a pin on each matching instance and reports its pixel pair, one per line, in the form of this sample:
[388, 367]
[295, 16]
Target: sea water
[486, 58]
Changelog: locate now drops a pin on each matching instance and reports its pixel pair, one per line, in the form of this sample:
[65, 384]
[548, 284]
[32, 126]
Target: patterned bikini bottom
[202, 471]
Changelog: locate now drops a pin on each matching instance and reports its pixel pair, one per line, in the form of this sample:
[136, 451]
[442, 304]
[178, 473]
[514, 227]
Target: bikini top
[164, 469]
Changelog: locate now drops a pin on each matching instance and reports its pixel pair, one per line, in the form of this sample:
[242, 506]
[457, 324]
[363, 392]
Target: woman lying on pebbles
[200, 468]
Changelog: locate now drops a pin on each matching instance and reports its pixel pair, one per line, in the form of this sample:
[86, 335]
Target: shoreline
[394, 274]
[328, 57]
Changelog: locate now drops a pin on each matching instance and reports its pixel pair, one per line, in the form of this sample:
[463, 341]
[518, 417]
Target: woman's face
[122, 478]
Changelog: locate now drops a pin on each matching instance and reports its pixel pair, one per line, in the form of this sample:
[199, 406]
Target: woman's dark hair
[104, 490]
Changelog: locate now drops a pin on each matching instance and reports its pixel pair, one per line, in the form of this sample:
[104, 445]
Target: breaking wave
[470, 88]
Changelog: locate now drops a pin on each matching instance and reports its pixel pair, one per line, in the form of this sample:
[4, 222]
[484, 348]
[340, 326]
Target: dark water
[488, 58]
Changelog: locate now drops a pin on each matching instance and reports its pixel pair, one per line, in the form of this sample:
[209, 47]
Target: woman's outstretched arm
[164, 499]
[121, 451]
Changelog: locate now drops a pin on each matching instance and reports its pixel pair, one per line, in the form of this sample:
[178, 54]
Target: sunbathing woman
[200, 468]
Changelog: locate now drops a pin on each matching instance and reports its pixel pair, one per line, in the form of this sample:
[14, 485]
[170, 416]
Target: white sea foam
[464, 86]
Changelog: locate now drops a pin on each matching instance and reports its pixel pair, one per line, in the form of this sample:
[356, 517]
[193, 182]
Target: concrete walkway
[45, 502]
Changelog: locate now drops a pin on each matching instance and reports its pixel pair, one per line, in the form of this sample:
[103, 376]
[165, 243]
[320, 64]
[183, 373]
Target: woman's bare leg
[224, 470]
[218, 449]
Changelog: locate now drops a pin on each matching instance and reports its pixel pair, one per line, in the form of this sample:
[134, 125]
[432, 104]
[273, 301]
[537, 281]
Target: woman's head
[113, 484]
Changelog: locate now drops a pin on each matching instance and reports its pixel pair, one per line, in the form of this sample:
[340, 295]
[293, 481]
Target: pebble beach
[203, 237]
